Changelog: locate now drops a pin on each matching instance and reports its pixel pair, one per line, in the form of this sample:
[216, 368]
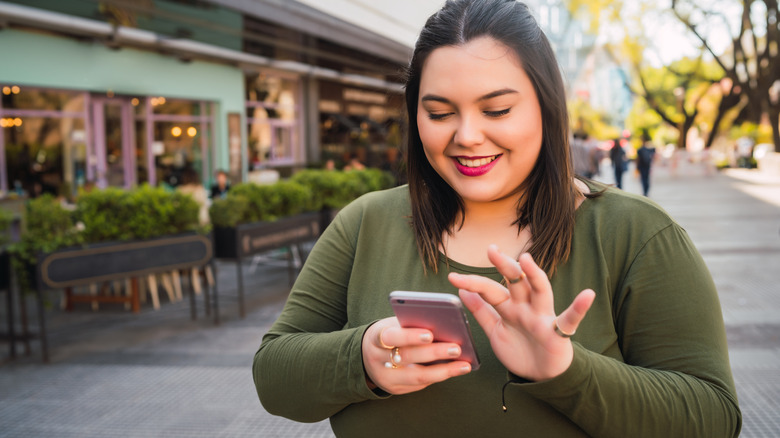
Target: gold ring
[560, 332]
[395, 357]
[382, 344]
[518, 279]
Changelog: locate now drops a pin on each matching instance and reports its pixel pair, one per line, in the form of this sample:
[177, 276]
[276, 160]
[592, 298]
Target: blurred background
[166, 92]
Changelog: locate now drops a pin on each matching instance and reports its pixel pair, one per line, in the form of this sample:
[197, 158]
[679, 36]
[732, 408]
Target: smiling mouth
[476, 162]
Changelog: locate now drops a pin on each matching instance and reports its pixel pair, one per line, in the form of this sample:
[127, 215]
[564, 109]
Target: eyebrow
[491, 95]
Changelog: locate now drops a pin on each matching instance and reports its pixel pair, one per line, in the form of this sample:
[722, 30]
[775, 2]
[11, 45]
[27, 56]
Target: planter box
[5, 270]
[247, 240]
[114, 261]
[103, 262]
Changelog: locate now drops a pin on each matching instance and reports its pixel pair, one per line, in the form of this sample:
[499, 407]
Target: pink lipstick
[472, 169]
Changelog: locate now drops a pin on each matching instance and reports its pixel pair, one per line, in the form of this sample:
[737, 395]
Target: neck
[501, 213]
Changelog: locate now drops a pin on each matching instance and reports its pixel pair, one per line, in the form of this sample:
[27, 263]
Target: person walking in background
[618, 157]
[354, 163]
[220, 188]
[644, 161]
[580, 156]
[592, 312]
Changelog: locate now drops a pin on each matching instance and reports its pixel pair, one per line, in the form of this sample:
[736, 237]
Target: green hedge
[106, 215]
[307, 191]
[116, 215]
[6, 219]
[49, 227]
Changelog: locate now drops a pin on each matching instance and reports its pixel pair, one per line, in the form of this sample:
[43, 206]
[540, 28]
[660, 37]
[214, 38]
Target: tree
[584, 118]
[752, 65]
[750, 69]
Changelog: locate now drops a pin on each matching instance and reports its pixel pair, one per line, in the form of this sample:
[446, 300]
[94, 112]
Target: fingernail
[426, 337]
[453, 351]
[466, 369]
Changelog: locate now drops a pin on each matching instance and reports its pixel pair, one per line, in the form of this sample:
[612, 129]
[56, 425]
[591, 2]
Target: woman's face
[479, 119]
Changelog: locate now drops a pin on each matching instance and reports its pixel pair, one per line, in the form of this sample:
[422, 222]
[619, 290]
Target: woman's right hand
[394, 358]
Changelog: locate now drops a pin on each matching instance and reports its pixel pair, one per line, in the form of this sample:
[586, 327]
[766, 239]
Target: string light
[191, 131]
[176, 131]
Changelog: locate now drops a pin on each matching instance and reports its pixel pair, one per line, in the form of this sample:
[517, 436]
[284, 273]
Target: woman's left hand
[519, 319]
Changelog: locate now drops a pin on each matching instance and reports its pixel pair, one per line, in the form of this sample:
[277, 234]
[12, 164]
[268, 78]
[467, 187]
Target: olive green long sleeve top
[650, 357]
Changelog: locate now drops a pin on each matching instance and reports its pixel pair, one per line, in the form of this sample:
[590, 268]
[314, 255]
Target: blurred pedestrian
[618, 156]
[354, 163]
[579, 155]
[644, 161]
[221, 187]
[494, 213]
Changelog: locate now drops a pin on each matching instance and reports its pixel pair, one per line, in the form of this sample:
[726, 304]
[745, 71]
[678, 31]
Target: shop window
[17, 97]
[42, 141]
[273, 121]
[178, 156]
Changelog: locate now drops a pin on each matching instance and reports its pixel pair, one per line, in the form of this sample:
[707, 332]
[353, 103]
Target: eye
[438, 116]
[499, 113]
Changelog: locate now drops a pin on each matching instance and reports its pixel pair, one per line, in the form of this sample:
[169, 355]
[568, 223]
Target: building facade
[121, 93]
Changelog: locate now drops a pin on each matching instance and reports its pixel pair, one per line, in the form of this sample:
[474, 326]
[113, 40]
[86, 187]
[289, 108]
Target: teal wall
[42, 60]
[199, 21]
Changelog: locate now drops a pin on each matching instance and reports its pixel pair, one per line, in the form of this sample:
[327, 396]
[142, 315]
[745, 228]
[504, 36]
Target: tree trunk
[774, 119]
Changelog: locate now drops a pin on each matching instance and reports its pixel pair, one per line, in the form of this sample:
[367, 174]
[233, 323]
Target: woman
[618, 156]
[493, 212]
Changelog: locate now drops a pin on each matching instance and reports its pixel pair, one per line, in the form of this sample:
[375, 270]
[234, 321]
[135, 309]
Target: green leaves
[6, 218]
[114, 214]
[308, 190]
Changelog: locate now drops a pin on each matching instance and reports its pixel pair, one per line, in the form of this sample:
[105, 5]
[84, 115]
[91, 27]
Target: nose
[469, 131]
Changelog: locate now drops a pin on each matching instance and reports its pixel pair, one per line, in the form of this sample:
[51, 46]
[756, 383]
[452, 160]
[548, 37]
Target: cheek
[433, 136]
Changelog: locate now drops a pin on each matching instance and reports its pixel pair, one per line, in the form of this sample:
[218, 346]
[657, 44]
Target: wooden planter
[103, 262]
[247, 240]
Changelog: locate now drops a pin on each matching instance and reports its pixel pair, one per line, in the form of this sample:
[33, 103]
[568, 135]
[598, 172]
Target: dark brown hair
[547, 205]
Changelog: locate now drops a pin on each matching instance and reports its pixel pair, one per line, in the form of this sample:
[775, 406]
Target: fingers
[541, 291]
[400, 369]
[390, 337]
[570, 319]
[537, 278]
[413, 378]
[492, 292]
[487, 317]
[424, 354]
[507, 266]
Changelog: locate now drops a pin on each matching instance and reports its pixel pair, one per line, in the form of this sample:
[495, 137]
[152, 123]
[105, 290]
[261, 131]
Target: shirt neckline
[483, 270]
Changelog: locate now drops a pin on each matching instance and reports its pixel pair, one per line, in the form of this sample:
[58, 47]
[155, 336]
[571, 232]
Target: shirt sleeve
[675, 379]
[309, 366]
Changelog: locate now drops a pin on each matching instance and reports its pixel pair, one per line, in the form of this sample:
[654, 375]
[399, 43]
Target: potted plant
[255, 218]
[112, 234]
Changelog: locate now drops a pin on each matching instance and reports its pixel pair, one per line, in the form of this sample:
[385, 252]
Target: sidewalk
[161, 374]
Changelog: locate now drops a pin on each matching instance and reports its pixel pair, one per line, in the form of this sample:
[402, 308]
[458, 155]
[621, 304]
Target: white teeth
[476, 163]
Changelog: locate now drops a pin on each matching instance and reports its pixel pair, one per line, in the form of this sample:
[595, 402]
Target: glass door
[114, 141]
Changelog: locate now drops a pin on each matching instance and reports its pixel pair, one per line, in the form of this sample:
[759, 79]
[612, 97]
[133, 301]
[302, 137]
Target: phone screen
[442, 314]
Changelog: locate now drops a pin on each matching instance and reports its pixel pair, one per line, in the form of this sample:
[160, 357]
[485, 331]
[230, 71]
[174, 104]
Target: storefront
[78, 115]
[358, 121]
[117, 94]
[61, 141]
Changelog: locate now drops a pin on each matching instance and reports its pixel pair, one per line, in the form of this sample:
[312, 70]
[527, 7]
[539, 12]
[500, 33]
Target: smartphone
[442, 314]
